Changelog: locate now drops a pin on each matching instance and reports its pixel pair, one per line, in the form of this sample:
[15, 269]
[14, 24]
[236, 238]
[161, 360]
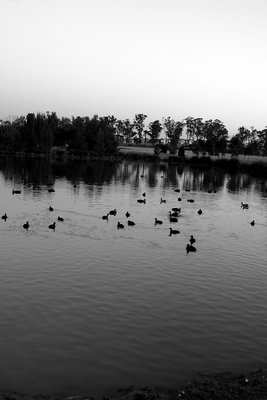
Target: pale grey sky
[177, 58]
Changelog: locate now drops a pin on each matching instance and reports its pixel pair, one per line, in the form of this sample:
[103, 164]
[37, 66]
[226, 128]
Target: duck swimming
[127, 214]
[60, 219]
[120, 226]
[4, 217]
[192, 239]
[52, 226]
[113, 212]
[173, 232]
[141, 201]
[51, 208]
[105, 217]
[162, 201]
[158, 221]
[16, 191]
[199, 211]
[189, 248]
[131, 223]
[26, 226]
[252, 223]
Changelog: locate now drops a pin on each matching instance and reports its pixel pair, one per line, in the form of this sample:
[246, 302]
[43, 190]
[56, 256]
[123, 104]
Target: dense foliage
[101, 135]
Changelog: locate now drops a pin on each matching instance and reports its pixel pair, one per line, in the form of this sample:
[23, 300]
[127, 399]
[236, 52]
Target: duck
[105, 216]
[177, 190]
[16, 191]
[252, 223]
[189, 248]
[187, 190]
[158, 221]
[52, 226]
[192, 239]
[51, 190]
[244, 205]
[162, 200]
[127, 214]
[173, 232]
[120, 226]
[199, 211]
[144, 194]
[141, 201]
[173, 219]
[113, 212]
[26, 225]
[4, 217]
[51, 208]
[179, 199]
[190, 200]
[131, 223]
[60, 219]
[174, 214]
[178, 209]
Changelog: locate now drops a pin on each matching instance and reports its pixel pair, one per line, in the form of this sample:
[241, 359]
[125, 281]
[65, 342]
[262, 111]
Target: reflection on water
[88, 307]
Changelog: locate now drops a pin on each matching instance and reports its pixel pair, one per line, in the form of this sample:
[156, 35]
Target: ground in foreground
[223, 386]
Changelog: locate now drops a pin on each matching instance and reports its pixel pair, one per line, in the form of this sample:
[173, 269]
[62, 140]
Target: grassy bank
[231, 165]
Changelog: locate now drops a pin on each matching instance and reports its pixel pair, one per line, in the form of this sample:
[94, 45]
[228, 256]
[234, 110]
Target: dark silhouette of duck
[191, 248]
[244, 205]
[199, 211]
[179, 199]
[190, 200]
[51, 208]
[51, 190]
[177, 209]
[120, 226]
[127, 214]
[4, 217]
[177, 190]
[52, 226]
[173, 219]
[113, 212]
[144, 194]
[192, 239]
[187, 190]
[130, 223]
[162, 200]
[141, 201]
[16, 191]
[60, 219]
[174, 214]
[26, 225]
[105, 216]
[173, 232]
[252, 223]
[158, 221]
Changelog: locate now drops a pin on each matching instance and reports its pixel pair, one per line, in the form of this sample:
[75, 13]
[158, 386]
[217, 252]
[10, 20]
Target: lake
[88, 307]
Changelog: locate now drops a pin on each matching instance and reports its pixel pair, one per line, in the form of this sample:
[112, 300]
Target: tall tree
[139, 125]
[154, 129]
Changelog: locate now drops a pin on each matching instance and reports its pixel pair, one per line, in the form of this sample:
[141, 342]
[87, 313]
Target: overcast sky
[177, 58]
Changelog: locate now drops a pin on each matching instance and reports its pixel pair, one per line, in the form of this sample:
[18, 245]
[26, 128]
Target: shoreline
[220, 386]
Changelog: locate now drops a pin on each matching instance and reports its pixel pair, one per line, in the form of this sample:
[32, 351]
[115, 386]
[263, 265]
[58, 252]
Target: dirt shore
[223, 386]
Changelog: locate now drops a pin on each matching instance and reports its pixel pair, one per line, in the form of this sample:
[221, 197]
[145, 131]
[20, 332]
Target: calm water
[89, 308]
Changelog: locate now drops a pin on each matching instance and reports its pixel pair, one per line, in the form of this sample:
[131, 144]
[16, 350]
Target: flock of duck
[173, 217]
[27, 224]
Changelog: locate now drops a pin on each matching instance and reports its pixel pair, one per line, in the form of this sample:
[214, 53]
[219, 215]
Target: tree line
[38, 133]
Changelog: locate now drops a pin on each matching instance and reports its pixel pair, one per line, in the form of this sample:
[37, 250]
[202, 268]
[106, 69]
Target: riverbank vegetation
[40, 133]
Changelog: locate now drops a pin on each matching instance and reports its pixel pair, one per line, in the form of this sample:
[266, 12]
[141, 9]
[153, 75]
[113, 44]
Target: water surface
[89, 308]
